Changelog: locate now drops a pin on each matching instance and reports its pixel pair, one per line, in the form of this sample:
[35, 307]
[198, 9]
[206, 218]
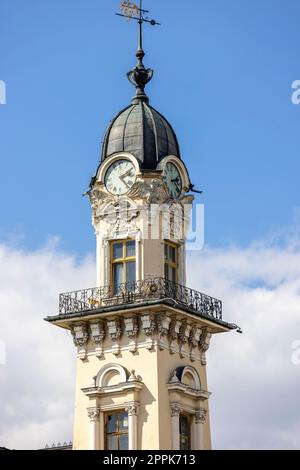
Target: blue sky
[223, 75]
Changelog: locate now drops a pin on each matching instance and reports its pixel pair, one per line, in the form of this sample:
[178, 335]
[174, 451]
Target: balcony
[151, 290]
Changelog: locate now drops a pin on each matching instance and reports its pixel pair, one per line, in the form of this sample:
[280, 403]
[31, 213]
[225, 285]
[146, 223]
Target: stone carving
[115, 333]
[200, 416]
[132, 409]
[175, 410]
[80, 337]
[204, 344]
[163, 324]
[148, 327]
[194, 339]
[175, 333]
[93, 414]
[152, 192]
[183, 337]
[132, 329]
[98, 334]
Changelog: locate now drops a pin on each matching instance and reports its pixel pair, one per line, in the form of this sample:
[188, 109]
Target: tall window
[116, 431]
[123, 263]
[171, 262]
[185, 432]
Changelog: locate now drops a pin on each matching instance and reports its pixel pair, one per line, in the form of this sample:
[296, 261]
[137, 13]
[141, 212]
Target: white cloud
[37, 381]
[255, 385]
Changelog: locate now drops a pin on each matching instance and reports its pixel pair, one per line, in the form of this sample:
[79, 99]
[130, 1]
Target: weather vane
[139, 76]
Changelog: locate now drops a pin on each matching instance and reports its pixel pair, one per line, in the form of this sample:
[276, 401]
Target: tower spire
[139, 76]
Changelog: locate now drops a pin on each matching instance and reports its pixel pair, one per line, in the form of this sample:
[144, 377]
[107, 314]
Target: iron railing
[138, 292]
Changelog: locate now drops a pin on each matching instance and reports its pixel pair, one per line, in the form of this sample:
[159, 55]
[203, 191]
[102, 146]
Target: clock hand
[128, 173]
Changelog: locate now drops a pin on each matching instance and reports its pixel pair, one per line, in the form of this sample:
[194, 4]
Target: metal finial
[139, 76]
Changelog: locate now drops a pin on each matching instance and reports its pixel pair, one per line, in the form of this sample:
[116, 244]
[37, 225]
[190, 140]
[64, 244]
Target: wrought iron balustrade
[150, 289]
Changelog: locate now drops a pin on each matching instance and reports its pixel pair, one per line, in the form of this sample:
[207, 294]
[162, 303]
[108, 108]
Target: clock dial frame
[173, 180]
[120, 177]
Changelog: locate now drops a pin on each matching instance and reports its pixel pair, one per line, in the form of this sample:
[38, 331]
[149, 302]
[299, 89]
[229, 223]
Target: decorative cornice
[144, 329]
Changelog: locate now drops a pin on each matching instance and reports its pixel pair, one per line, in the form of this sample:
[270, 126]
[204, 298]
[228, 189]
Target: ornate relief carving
[93, 414]
[148, 327]
[183, 337]
[163, 324]
[177, 334]
[80, 337]
[175, 410]
[153, 192]
[200, 416]
[174, 333]
[98, 334]
[194, 339]
[132, 329]
[132, 409]
[115, 333]
[204, 344]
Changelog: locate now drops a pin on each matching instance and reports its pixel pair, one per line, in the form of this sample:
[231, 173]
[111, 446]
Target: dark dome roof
[142, 131]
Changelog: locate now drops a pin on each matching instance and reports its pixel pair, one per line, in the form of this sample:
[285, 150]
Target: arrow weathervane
[139, 76]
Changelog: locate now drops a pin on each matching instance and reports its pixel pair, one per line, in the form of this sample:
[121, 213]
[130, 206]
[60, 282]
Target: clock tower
[141, 334]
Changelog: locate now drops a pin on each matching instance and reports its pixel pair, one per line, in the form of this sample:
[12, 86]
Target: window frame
[118, 433]
[168, 261]
[121, 261]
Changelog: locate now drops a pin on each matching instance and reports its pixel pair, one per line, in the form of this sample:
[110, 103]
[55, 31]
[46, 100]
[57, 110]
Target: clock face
[120, 177]
[173, 180]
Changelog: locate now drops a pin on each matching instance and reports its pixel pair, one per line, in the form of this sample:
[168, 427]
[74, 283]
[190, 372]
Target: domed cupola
[139, 129]
[143, 132]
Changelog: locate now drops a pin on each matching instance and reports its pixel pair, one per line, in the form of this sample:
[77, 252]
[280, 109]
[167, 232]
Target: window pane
[111, 423]
[123, 421]
[130, 272]
[166, 251]
[184, 425]
[130, 248]
[173, 254]
[123, 442]
[173, 274]
[166, 272]
[117, 275]
[118, 250]
[112, 442]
